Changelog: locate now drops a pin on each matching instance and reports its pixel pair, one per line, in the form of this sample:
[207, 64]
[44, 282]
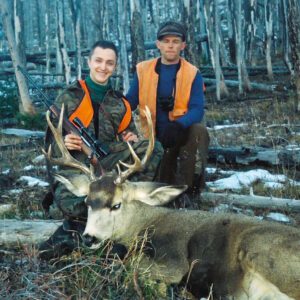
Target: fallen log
[254, 85]
[15, 232]
[30, 144]
[251, 201]
[249, 69]
[255, 156]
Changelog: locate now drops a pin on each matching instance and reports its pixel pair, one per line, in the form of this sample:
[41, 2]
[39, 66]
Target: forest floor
[272, 121]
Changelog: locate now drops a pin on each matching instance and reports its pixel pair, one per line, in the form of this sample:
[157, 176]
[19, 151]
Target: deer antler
[138, 164]
[66, 159]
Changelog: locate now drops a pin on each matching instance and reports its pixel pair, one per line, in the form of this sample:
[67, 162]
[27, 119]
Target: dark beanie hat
[171, 28]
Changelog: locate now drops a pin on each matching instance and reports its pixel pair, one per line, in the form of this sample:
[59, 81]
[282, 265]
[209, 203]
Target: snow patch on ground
[31, 181]
[220, 127]
[32, 167]
[5, 172]
[278, 217]
[239, 180]
[39, 159]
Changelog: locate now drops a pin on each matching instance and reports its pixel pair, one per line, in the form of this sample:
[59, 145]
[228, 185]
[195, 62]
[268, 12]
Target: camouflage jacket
[110, 114]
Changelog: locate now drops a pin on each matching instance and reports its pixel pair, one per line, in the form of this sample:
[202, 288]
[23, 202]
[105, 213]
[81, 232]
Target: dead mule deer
[242, 257]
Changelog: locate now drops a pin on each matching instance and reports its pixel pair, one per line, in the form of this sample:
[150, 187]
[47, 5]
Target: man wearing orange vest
[107, 116]
[173, 90]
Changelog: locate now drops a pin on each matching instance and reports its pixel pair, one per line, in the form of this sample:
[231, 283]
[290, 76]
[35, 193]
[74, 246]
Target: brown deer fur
[242, 257]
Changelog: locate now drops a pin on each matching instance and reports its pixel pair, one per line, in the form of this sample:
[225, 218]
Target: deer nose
[89, 240]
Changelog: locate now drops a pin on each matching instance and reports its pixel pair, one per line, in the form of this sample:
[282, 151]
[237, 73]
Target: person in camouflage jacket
[109, 108]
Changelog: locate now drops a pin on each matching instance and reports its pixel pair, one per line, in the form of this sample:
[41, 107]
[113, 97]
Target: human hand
[73, 142]
[173, 135]
[129, 136]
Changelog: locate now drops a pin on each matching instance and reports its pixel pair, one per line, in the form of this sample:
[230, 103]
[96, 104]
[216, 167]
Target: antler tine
[66, 159]
[138, 164]
[151, 136]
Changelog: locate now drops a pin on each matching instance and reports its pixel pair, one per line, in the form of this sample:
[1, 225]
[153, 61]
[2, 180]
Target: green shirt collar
[97, 91]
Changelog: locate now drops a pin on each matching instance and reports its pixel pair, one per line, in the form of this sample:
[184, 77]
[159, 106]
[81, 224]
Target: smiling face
[102, 64]
[170, 47]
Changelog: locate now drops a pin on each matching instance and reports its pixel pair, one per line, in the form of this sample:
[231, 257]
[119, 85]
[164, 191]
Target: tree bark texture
[62, 41]
[26, 103]
[294, 38]
[252, 201]
[137, 34]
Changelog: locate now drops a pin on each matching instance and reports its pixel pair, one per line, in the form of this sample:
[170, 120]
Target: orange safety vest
[148, 82]
[85, 111]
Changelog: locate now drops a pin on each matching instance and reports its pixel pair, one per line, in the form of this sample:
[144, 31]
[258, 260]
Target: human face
[170, 47]
[102, 64]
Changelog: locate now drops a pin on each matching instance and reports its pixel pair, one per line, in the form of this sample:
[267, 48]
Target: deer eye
[117, 206]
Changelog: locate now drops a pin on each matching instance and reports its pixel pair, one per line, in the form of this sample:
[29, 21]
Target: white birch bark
[269, 31]
[189, 17]
[217, 51]
[286, 46]
[252, 31]
[47, 38]
[294, 38]
[75, 6]
[122, 18]
[137, 33]
[243, 78]
[203, 31]
[26, 105]
[213, 41]
[231, 30]
[62, 41]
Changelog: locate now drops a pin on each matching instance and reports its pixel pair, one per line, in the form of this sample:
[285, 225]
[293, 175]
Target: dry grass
[93, 275]
[82, 275]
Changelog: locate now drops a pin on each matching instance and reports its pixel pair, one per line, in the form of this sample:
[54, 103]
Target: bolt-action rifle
[91, 147]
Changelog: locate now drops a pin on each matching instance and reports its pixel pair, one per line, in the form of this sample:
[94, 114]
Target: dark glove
[173, 135]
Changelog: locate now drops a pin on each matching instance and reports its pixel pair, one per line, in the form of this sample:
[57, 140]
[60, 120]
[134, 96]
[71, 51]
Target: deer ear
[157, 193]
[77, 185]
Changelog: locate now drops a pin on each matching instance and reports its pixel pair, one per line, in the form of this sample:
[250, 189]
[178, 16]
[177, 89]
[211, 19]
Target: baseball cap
[171, 28]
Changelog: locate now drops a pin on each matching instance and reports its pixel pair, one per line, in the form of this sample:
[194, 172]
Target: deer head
[108, 194]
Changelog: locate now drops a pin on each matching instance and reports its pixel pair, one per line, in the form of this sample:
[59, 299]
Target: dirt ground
[271, 122]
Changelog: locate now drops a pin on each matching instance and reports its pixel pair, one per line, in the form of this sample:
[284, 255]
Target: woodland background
[248, 52]
[229, 40]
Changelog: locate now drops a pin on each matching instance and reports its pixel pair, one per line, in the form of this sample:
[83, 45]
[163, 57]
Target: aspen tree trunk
[152, 11]
[137, 33]
[286, 46]
[252, 32]
[58, 60]
[98, 19]
[224, 55]
[18, 25]
[191, 48]
[269, 31]
[26, 105]
[204, 46]
[277, 27]
[213, 39]
[122, 17]
[294, 38]
[231, 30]
[75, 7]
[40, 28]
[244, 82]
[47, 37]
[217, 51]
[62, 41]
